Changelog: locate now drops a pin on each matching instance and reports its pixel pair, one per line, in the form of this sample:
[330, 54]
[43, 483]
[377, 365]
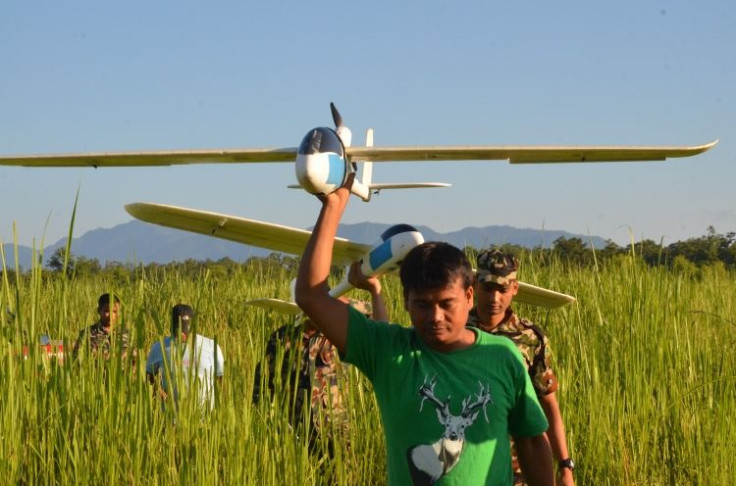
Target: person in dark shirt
[99, 338]
[310, 371]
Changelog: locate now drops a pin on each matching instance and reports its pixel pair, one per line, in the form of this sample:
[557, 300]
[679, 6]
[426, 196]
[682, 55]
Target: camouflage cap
[496, 267]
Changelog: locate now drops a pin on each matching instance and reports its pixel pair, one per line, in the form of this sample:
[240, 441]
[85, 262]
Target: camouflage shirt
[311, 372]
[100, 340]
[533, 345]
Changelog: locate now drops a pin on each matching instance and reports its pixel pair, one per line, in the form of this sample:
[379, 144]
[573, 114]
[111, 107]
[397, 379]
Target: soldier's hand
[358, 280]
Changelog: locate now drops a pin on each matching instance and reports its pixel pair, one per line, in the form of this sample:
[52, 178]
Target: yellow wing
[531, 294]
[248, 231]
[514, 154]
[154, 158]
[528, 294]
[276, 304]
[525, 154]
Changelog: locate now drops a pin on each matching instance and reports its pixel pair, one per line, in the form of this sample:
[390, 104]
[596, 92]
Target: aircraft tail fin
[366, 175]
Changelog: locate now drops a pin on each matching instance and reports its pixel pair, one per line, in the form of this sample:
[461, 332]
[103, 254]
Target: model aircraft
[323, 161]
[383, 256]
[325, 158]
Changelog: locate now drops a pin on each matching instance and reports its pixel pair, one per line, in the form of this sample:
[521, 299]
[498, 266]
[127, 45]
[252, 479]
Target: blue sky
[84, 76]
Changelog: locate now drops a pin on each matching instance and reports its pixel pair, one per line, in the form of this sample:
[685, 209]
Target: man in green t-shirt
[449, 396]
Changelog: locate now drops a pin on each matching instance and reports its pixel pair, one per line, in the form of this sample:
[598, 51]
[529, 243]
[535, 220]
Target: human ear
[469, 292]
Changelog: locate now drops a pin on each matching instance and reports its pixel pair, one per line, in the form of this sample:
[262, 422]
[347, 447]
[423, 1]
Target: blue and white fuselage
[323, 165]
[385, 255]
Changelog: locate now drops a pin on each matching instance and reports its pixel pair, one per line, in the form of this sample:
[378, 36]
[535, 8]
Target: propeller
[335, 115]
[342, 131]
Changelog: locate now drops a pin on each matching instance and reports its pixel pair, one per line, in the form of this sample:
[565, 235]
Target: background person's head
[108, 313]
[496, 284]
[181, 320]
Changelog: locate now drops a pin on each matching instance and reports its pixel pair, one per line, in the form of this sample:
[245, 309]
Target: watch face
[568, 463]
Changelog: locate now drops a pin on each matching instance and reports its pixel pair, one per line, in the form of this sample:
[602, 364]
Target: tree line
[707, 250]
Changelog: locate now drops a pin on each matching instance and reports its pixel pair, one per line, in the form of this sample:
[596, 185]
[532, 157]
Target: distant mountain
[25, 254]
[138, 242]
[471, 236]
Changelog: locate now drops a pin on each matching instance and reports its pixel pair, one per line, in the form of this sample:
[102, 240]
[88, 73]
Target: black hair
[434, 265]
[105, 299]
[181, 313]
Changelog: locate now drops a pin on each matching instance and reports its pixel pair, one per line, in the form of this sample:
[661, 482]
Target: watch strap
[566, 463]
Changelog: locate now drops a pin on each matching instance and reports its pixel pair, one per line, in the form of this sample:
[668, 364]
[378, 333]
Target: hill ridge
[139, 242]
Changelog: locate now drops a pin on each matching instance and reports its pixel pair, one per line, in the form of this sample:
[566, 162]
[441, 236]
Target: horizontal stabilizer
[276, 304]
[528, 294]
[549, 299]
[286, 307]
[407, 185]
[394, 185]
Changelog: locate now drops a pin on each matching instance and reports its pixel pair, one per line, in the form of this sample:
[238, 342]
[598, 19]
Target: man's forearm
[535, 457]
[372, 285]
[556, 435]
[317, 257]
[380, 313]
[329, 315]
[556, 430]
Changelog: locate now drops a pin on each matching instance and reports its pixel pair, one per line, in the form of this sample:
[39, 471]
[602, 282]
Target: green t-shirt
[447, 417]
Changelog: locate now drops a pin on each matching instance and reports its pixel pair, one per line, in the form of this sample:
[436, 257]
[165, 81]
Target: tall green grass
[646, 364]
[645, 359]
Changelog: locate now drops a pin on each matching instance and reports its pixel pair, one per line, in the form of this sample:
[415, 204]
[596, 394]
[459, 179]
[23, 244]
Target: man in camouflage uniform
[495, 287]
[100, 336]
[310, 371]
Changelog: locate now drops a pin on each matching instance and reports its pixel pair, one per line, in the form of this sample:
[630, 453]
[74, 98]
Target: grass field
[645, 359]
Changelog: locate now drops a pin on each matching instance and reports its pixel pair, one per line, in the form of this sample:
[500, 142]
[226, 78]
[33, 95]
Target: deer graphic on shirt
[430, 462]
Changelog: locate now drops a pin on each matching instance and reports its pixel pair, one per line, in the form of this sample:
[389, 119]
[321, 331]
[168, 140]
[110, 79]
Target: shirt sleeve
[372, 344]
[360, 349]
[543, 377]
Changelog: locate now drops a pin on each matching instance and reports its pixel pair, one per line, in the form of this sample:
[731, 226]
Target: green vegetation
[646, 361]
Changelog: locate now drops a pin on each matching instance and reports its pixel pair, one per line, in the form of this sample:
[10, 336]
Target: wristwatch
[568, 463]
